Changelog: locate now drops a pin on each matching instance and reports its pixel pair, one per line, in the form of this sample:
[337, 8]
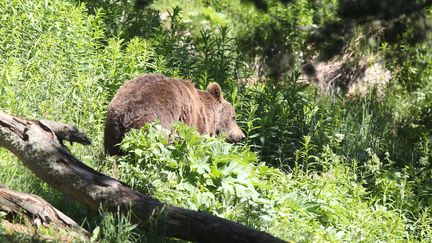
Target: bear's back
[153, 87]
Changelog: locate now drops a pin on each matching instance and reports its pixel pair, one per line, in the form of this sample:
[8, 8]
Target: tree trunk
[38, 144]
[39, 211]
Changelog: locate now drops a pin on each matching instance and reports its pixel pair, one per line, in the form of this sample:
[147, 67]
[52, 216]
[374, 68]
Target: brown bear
[156, 97]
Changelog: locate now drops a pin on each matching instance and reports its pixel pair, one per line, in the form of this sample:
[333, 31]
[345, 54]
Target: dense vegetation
[313, 167]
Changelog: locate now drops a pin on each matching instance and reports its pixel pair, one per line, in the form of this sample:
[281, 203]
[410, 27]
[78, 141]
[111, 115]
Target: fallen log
[39, 146]
[36, 209]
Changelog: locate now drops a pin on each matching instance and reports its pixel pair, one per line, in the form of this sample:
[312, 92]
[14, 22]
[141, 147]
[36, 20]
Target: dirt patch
[349, 77]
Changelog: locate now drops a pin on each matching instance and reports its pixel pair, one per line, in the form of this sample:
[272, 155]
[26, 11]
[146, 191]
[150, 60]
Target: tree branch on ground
[18, 204]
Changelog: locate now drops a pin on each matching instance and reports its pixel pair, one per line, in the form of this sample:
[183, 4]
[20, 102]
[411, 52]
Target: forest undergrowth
[313, 167]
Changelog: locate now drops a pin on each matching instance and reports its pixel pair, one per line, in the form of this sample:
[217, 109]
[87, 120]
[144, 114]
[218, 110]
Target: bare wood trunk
[37, 209]
[35, 143]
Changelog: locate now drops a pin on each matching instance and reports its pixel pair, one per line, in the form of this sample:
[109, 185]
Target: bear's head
[226, 118]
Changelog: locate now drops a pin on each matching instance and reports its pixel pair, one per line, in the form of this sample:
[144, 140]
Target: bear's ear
[215, 90]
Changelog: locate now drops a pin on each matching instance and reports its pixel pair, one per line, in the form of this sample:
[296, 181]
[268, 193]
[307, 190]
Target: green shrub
[201, 173]
[277, 116]
[207, 174]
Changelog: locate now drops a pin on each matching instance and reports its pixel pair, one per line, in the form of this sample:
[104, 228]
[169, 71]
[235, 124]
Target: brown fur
[151, 97]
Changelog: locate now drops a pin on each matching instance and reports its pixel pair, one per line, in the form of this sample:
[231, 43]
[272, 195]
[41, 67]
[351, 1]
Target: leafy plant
[115, 228]
[202, 173]
[208, 174]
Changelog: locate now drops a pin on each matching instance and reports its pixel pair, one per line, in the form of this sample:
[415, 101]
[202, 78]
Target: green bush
[208, 174]
[277, 116]
[201, 173]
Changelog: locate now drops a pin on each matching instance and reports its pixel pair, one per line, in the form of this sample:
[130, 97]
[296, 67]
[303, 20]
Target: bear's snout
[237, 136]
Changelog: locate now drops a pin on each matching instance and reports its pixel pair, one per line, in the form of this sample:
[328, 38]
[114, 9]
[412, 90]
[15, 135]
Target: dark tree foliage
[263, 5]
[396, 18]
[331, 38]
[142, 3]
[383, 9]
